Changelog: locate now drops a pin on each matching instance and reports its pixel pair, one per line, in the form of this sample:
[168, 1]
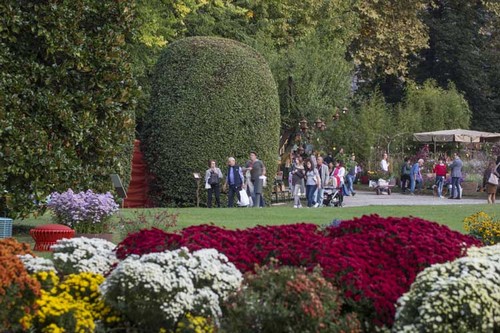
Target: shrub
[484, 227]
[83, 254]
[18, 290]
[286, 299]
[372, 259]
[85, 212]
[157, 290]
[458, 296]
[142, 220]
[67, 97]
[212, 98]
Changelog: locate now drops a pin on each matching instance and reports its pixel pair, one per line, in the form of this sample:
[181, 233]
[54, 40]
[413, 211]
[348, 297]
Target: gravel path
[364, 198]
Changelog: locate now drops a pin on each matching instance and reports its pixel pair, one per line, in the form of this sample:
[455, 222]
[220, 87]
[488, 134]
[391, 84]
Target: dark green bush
[67, 97]
[212, 98]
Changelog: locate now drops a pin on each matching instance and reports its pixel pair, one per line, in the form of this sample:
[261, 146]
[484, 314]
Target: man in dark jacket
[234, 180]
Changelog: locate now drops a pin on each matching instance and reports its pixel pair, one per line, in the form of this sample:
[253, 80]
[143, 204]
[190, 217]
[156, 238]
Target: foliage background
[67, 97]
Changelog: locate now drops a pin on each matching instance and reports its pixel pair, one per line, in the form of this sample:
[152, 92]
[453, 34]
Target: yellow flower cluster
[484, 227]
[194, 324]
[60, 313]
[70, 306]
[47, 279]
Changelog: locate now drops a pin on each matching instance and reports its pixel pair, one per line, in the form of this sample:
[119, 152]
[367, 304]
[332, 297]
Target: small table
[47, 235]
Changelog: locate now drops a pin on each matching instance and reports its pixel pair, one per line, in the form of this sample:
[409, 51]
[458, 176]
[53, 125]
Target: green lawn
[451, 215]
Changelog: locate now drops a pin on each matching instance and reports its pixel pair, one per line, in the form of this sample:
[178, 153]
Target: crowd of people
[307, 174]
[310, 174]
[411, 177]
[249, 178]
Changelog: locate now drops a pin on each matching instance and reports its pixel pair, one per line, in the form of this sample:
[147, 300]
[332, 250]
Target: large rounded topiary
[212, 98]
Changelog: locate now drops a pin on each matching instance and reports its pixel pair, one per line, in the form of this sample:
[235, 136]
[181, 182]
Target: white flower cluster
[77, 255]
[458, 296]
[36, 264]
[158, 288]
[492, 252]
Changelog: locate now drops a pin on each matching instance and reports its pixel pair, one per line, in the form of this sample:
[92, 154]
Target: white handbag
[264, 180]
[244, 199]
[493, 179]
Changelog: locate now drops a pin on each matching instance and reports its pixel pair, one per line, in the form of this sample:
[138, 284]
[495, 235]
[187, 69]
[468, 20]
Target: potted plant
[88, 213]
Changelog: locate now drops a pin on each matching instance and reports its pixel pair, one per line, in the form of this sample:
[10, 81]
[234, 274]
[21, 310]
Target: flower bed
[170, 291]
[373, 259]
[182, 281]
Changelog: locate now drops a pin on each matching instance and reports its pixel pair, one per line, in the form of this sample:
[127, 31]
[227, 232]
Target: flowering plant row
[176, 290]
[373, 259]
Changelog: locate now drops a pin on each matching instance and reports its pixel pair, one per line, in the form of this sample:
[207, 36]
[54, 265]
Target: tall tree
[305, 43]
[430, 108]
[464, 41]
[389, 33]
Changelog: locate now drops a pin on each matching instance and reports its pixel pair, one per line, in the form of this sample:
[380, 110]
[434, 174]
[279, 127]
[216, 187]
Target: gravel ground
[365, 198]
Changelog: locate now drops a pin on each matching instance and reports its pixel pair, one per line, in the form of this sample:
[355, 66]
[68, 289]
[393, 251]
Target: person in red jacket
[440, 171]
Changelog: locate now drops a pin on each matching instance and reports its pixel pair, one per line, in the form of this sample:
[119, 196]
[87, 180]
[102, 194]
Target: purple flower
[82, 210]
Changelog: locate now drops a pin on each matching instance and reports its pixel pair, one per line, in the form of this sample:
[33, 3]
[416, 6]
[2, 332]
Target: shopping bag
[493, 179]
[264, 181]
[244, 199]
[207, 185]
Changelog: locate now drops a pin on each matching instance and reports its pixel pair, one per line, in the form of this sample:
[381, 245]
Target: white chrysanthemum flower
[36, 264]
[460, 295]
[77, 255]
[173, 283]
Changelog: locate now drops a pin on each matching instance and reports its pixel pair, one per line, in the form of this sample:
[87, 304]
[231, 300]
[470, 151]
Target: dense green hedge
[212, 98]
[67, 97]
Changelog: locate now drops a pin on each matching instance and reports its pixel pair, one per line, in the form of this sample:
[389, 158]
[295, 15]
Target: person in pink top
[440, 171]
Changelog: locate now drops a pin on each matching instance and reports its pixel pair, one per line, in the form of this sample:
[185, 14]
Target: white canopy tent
[457, 135]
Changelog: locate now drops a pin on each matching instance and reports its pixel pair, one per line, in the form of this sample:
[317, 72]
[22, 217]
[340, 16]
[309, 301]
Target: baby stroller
[332, 195]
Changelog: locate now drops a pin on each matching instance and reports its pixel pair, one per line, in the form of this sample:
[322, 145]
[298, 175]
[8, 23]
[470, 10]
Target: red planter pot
[47, 235]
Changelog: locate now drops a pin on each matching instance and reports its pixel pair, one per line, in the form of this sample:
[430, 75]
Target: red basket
[47, 235]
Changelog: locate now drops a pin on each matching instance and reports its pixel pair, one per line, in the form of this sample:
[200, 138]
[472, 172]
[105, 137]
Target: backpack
[405, 170]
[213, 179]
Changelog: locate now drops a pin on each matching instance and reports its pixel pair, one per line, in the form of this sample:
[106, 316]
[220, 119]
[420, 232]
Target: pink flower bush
[373, 259]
